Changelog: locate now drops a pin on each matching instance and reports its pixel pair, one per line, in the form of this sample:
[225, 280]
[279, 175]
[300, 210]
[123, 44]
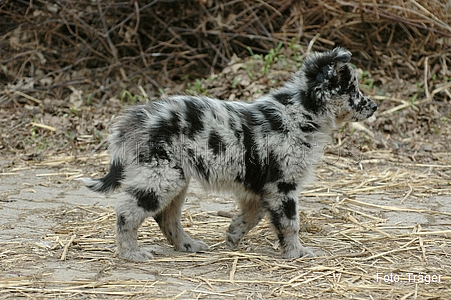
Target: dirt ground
[381, 230]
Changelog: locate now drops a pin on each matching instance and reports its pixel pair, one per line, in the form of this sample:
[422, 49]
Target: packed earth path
[380, 228]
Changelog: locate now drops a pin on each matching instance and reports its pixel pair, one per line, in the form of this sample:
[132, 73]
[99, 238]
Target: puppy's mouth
[372, 109]
[362, 117]
[370, 114]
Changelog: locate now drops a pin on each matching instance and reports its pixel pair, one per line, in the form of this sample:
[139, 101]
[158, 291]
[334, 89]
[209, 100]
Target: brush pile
[60, 59]
[64, 43]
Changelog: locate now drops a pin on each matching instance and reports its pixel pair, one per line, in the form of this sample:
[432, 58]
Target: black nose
[373, 106]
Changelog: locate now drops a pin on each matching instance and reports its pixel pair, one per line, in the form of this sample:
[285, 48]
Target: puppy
[264, 152]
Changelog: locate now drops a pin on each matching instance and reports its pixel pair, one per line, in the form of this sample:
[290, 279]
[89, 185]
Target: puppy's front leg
[284, 214]
[250, 215]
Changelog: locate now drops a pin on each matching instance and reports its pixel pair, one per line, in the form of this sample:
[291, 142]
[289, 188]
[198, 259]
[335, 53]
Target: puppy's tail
[109, 183]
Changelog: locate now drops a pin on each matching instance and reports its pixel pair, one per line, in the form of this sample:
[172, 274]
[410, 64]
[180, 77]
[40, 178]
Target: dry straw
[349, 217]
[121, 42]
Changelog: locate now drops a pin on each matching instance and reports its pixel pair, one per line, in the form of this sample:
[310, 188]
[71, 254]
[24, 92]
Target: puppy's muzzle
[372, 107]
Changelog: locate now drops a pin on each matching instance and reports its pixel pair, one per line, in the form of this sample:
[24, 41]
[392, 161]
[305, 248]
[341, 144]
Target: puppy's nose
[373, 106]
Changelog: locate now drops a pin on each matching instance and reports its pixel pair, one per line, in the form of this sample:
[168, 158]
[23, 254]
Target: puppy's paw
[192, 246]
[307, 252]
[135, 255]
[300, 252]
[232, 241]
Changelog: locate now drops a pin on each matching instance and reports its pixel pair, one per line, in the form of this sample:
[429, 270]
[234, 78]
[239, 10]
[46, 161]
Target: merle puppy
[264, 152]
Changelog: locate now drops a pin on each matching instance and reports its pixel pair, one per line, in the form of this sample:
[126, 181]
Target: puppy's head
[333, 86]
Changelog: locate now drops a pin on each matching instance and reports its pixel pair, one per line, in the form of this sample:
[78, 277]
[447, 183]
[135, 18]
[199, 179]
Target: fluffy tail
[109, 183]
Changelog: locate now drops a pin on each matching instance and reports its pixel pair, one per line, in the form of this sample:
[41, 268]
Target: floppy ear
[342, 56]
[337, 59]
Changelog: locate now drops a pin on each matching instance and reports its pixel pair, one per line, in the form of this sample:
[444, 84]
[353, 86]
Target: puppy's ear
[321, 68]
[342, 56]
[323, 72]
[337, 59]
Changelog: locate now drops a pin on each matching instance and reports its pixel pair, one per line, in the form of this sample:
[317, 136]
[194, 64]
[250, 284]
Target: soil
[57, 241]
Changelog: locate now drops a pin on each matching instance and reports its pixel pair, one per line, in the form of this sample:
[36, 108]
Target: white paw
[301, 252]
[231, 241]
[135, 255]
[192, 246]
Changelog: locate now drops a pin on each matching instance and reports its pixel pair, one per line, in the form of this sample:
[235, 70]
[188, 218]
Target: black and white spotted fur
[264, 152]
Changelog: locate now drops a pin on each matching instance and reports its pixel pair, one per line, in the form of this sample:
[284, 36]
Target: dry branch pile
[60, 59]
[102, 45]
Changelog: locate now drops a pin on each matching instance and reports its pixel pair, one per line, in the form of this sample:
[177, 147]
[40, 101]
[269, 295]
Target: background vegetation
[67, 67]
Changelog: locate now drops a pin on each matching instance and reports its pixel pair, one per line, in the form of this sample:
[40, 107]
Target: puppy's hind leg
[169, 221]
[129, 216]
[150, 192]
[250, 215]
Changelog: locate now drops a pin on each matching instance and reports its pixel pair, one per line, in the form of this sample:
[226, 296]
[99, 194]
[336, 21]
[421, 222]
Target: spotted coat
[264, 152]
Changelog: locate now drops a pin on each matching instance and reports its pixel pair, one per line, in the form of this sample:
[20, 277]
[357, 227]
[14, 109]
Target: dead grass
[358, 244]
[68, 67]
[61, 48]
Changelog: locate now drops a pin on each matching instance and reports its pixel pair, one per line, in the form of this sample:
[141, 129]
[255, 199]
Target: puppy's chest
[307, 149]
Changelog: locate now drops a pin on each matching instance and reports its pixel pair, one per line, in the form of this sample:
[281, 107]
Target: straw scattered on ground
[345, 218]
